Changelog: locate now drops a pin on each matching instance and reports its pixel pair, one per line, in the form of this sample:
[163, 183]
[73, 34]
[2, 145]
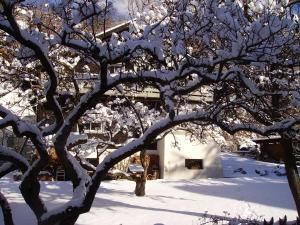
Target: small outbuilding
[176, 156]
[271, 148]
[181, 157]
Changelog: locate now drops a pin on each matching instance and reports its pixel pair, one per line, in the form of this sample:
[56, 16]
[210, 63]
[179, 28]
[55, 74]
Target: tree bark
[292, 172]
[61, 220]
[69, 221]
[140, 187]
[6, 210]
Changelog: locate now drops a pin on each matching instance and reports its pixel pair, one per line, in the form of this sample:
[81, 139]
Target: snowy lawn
[186, 202]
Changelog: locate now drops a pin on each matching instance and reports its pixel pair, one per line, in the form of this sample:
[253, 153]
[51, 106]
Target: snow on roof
[116, 29]
[268, 138]
[135, 168]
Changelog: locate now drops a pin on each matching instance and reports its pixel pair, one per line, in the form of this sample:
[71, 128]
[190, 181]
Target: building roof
[267, 139]
[115, 29]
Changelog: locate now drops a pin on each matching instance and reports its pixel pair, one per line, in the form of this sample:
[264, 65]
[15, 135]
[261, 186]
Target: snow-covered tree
[246, 54]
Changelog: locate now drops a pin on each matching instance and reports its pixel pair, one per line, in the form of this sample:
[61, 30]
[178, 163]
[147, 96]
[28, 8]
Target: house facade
[177, 156]
[188, 159]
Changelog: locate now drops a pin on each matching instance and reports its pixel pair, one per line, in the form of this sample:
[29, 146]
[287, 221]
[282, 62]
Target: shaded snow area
[237, 166]
[185, 202]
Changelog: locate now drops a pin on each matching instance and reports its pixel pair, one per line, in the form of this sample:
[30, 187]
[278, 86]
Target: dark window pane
[194, 164]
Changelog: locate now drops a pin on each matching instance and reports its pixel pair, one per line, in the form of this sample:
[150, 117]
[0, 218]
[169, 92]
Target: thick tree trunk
[30, 192]
[6, 210]
[140, 186]
[292, 173]
[70, 220]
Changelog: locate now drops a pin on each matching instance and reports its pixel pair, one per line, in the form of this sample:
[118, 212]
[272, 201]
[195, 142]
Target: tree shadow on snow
[264, 191]
[112, 205]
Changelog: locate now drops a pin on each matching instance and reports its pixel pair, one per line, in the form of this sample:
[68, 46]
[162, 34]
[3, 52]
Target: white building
[188, 159]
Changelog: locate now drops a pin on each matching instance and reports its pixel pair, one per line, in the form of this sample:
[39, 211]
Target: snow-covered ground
[237, 166]
[186, 202]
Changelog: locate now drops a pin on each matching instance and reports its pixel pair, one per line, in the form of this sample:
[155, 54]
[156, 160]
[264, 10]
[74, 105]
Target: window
[194, 164]
[94, 127]
[116, 68]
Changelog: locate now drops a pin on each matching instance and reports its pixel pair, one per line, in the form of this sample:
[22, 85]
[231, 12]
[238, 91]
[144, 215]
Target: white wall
[172, 158]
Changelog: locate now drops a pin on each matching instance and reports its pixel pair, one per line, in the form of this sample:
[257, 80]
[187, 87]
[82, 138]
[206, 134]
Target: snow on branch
[279, 127]
[10, 155]
[6, 168]
[38, 45]
[6, 210]
[29, 183]
[21, 127]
